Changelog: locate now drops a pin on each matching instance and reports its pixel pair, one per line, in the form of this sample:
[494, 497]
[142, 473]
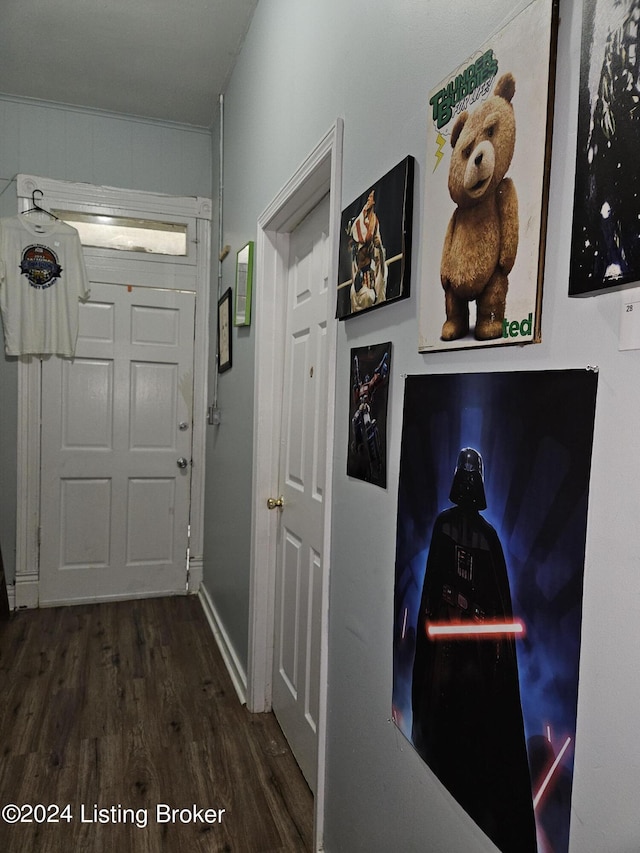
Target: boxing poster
[374, 267]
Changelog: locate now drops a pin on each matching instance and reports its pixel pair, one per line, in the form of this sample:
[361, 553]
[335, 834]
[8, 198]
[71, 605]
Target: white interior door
[296, 659]
[116, 426]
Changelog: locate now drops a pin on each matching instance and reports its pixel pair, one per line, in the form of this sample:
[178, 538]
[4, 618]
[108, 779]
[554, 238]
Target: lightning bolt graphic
[439, 155]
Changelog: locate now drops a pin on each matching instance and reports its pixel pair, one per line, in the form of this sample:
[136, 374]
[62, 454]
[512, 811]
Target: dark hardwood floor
[123, 712]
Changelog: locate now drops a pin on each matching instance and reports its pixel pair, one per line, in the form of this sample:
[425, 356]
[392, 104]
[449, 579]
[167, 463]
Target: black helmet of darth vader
[467, 489]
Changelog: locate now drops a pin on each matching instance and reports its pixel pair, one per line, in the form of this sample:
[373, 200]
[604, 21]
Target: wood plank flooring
[125, 707]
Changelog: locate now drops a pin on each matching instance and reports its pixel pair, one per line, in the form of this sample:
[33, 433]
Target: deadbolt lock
[275, 503]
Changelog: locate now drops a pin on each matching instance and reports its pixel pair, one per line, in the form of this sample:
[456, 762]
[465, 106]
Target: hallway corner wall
[304, 64]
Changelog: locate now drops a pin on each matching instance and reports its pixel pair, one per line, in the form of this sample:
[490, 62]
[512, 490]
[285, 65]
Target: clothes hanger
[35, 206]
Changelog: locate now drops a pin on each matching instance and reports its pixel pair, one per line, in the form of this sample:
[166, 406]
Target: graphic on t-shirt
[40, 265]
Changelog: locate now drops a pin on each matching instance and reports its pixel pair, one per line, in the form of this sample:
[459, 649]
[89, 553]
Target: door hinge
[188, 558]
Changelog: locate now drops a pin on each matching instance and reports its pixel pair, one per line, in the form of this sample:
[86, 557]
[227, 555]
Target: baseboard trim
[11, 595]
[196, 571]
[26, 590]
[230, 658]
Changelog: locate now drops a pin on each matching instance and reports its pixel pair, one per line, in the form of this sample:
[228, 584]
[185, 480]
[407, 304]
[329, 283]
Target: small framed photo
[244, 276]
[224, 331]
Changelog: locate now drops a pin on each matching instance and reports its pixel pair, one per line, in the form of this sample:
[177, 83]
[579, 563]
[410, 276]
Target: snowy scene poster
[605, 243]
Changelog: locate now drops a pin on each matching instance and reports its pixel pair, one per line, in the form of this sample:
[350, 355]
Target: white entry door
[296, 659]
[116, 449]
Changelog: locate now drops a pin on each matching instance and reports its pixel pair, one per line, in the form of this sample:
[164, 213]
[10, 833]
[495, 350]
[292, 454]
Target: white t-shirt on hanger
[42, 277]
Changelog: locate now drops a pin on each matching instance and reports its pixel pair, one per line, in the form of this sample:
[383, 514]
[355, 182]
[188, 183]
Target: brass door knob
[275, 503]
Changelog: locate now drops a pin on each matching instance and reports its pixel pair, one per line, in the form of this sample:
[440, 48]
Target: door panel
[299, 558]
[154, 392]
[84, 521]
[114, 504]
[87, 426]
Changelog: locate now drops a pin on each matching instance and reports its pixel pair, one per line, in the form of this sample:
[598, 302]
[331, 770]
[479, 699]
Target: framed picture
[375, 244]
[224, 331]
[244, 277]
[486, 190]
[605, 241]
[488, 591]
[369, 394]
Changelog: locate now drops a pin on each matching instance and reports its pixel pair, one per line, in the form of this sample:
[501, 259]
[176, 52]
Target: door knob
[273, 503]
[182, 462]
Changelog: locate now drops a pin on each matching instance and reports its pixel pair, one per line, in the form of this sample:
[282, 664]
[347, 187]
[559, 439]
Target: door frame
[96, 199]
[319, 174]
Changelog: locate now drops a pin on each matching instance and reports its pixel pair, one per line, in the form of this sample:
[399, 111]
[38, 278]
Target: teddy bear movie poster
[486, 182]
[491, 530]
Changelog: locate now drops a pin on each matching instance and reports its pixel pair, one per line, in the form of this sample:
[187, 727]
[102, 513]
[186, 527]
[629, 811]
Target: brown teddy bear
[482, 237]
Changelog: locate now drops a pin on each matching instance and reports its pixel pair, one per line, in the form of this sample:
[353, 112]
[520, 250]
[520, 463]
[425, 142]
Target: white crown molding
[87, 197]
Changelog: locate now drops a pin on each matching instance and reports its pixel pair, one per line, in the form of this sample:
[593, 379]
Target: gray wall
[303, 64]
[97, 148]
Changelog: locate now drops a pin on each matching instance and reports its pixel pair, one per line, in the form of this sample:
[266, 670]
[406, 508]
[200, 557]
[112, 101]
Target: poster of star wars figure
[369, 391]
[375, 244]
[491, 529]
[486, 190]
[605, 243]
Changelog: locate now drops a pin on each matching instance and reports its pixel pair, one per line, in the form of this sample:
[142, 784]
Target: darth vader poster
[492, 505]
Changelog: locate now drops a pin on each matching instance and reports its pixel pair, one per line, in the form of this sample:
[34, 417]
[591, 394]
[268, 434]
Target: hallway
[124, 712]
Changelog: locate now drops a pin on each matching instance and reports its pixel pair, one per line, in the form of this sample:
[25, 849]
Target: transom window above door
[128, 234]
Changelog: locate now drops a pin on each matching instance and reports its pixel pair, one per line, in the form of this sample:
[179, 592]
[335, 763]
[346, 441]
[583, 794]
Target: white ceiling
[161, 59]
